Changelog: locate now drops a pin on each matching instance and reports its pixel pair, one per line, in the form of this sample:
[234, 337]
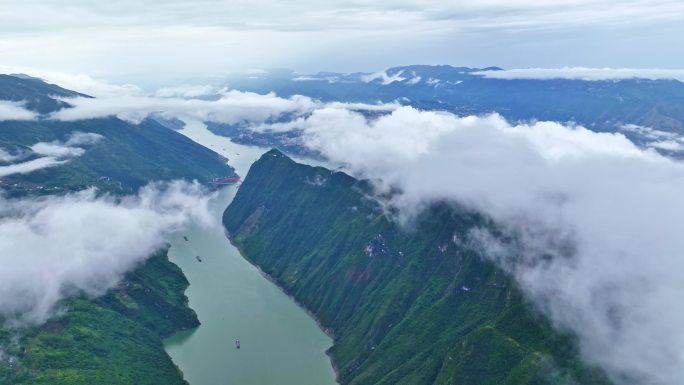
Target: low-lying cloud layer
[653, 138]
[186, 102]
[30, 166]
[220, 106]
[232, 107]
[14, 111]
[68, 148]
[584, 73]
[56, 247]
[51, 153]
[11, 156]
[608, 212]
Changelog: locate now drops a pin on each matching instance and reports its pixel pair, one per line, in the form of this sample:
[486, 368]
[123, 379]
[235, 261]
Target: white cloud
[187, 91]
[583, 73]
[668, 145]
[303, 122]
[662, 140]
[377, 107]
[414, 80]
[383, 77]
[55, 247]
[30, 166]
[78, 138]
[648, 132]
[66, 149]
[56, 150]
[312, 15]
[14, 111]
[308, 79]
[9, 157]
[52, 153]
[608, 212]
[231, 107]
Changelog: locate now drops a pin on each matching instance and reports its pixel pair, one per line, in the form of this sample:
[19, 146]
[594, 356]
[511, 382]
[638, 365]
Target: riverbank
[313, 316]
[280, 343]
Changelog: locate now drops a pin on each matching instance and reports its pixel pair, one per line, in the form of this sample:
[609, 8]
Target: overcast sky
[129, 40]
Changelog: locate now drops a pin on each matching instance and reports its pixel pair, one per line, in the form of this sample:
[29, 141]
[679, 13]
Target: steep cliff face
[406, 306]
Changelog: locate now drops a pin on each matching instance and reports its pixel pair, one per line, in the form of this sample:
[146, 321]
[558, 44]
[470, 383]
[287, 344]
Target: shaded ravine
[280, 343]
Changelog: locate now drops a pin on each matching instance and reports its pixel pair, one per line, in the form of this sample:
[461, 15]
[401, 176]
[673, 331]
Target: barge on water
[218, 182]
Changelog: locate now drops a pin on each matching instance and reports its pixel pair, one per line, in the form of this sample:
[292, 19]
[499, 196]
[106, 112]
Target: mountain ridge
[599, 105]
[405, 307]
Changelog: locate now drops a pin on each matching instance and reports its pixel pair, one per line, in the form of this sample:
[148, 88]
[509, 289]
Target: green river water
[280, 343]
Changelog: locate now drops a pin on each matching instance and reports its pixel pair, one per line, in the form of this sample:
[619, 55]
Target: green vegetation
[36, 94]
[127, 158]
[114, 339]
[406, 306]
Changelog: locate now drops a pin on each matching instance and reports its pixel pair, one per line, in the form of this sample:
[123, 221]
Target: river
[280, 343]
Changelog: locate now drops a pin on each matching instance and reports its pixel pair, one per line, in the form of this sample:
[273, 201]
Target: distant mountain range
[600, 105]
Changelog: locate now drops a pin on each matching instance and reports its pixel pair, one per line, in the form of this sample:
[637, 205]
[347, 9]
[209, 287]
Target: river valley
[279, 343]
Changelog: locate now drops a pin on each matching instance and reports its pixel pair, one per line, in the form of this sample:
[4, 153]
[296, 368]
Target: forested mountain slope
[127, 157]
[406, 306]
[117, 338]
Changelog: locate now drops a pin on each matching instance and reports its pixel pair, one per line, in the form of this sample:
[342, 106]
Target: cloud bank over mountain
[68, 148]
[584, 73]
[230, 107]
[219, 106]
[58, 246]
[14, 111]
[592, 221]
[29, 166]
[51, 153]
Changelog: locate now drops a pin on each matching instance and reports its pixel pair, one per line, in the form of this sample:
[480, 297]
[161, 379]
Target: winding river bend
[280, 343]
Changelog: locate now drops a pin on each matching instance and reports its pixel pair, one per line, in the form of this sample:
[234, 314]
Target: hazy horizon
[128, 41]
